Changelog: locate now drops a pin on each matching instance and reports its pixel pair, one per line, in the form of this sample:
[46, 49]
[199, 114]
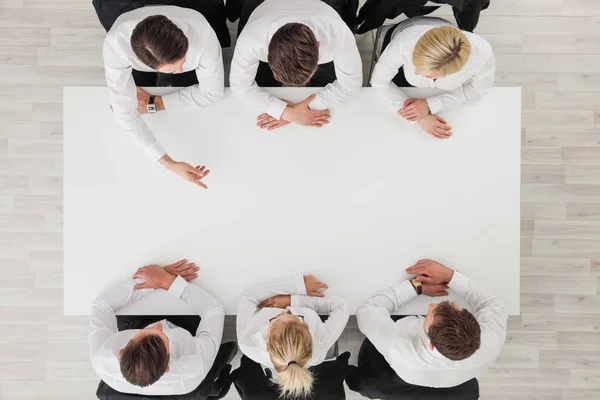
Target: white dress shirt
[191, 357]
[469, 84]
[203, 56]
[337, 44]
[252, 324]
[405, 345]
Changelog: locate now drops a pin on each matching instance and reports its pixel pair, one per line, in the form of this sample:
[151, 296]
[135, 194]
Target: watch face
[151, 108]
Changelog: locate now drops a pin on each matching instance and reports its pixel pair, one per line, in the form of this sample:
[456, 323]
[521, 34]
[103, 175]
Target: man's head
[452, 330]
[145, 358]
[441, 51]
[160, 44]
[293, 54]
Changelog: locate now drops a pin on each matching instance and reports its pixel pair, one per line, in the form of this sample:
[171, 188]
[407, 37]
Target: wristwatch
[417, 285]
[151, 107]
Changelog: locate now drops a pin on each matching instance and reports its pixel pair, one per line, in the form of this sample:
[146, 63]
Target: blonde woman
[278, 326]
[429, 52]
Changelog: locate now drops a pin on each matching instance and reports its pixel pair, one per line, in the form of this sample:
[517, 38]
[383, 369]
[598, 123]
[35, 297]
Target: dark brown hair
[144, 360]
[157, 41]
[293, 54]
[454, 333]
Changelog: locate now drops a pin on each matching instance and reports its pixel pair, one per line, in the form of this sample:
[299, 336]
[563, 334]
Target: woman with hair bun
[278, 326]
[430, 52]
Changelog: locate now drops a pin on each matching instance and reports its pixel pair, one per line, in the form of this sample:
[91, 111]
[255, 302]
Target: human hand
[182, 268]
[431, 272]
[414, 109]
[155, 277]
[186, 171]
[432, 290]
[143, 98]
[265, 121]
[435, 126]
[301, 114]
[279, 301]
[313, 285]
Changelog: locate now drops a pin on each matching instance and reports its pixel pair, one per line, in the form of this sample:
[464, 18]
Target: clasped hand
[433, 276]
[313, 288]
[298, 113]
[157, 277]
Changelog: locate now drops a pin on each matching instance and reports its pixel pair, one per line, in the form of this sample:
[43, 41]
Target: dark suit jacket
[252, 384]
[374, 12]
[213, 10]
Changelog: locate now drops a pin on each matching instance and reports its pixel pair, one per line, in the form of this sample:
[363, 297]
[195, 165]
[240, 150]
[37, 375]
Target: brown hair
[144, 360]
[454, 333]
[444, 50]
[290, 347]
[293, 54]
[157, 41]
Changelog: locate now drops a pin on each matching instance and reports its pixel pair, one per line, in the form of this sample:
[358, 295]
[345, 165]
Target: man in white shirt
[298, 43]
[161, 359]
[429, 52]
[171, 41]
[447, 347]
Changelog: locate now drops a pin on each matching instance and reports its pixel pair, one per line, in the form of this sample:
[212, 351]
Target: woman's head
[290, 348]
[441, 51]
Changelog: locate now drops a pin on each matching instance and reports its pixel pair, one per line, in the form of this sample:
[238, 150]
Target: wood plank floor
[549, 47]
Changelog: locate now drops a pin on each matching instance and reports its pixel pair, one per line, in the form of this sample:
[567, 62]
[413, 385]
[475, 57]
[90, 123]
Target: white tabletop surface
[354, 203]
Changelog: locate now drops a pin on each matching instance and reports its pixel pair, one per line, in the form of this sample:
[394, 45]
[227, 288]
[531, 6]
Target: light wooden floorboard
[549, 47]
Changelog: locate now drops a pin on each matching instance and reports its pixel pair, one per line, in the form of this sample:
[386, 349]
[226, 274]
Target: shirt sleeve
[385, 70]
[348, 72]
[242, 79]
[210, 87]
[374, 319]
[337, 309]
[210, 331]
[472, 90]
[103, 320]
[488, 310]
[123, 99]
[252, 297]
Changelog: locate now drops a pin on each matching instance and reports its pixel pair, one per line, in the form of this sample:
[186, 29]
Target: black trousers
[325, 75]
[374, 378]
[215, 386]
[400, 78]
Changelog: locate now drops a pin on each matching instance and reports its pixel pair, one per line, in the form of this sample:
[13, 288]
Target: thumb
[310, 98]
[317, 294]
[424, 279]
[141, 286]
[440, 119]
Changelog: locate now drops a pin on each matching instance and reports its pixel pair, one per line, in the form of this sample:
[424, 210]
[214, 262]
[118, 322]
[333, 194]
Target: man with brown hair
[297, 43]
[449, 346]
[162, 46]
[162, 358]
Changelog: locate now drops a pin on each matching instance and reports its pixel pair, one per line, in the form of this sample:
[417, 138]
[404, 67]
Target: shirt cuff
[300, 286]
[317, 104]
[435, 104]
[172, 101]
[296, 300]
[459, 283]
[155, 151]
[276, 107]
[404, 292]
[178, 286]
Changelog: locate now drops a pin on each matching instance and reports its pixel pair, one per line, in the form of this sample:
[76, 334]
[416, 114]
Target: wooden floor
[549, 47]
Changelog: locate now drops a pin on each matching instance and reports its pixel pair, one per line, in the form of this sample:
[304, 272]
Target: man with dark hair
[162, 46]
[298, 43]
[162, 359]
[449, 346]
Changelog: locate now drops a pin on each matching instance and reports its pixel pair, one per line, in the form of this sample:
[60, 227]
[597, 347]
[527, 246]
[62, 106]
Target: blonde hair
[290, 348]
[444, 50]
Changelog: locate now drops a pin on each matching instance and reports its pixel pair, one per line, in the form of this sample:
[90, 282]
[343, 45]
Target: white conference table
[354, 203]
